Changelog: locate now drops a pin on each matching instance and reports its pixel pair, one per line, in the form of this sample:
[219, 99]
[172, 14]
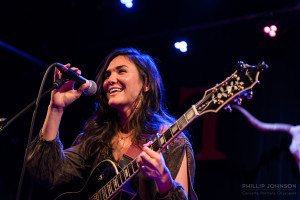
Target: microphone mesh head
[92, 89]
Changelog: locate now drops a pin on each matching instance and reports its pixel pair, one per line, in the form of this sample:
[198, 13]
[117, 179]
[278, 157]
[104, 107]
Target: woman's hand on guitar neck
[152, 164]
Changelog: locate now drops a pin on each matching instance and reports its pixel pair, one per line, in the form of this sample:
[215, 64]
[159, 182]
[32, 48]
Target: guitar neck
[171, 133]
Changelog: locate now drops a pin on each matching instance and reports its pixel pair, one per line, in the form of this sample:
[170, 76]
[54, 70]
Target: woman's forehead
[121, 62]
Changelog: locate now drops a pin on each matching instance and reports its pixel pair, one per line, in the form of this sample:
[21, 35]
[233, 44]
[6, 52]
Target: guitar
[106, 180]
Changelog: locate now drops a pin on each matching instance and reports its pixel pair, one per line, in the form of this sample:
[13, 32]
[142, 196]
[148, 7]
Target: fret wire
[116, 182]
[181, 122]
[185, 118]
[113, 184]
[108, 189]
[131, 169]
[105, 192]
[190, 114]
[177, 125]
[187, 115]
[99, 195]
[171, 131]
[123, 175]
[109, 185]
[163, 138]
[123, 178]
[136, 165]
[168, 135]
[151, 146]
[101, 192]
[155, 145]
[126, 172]
[118, 179]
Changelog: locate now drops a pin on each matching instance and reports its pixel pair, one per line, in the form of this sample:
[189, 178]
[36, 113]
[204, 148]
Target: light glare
[271, 30]
[127, 3]
[272, 33]
[182, 46]
[267, 29]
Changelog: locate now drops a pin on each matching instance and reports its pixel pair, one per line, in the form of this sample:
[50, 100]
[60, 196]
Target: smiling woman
[123, 85]
[130, 112]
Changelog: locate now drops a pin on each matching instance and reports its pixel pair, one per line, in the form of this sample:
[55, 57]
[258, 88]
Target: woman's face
[122, 83]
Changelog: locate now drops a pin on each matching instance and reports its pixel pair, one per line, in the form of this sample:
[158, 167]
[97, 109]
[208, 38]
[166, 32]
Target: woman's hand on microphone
[66, 94]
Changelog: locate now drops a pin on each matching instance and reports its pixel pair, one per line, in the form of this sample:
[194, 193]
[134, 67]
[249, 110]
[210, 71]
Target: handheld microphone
[70, 74]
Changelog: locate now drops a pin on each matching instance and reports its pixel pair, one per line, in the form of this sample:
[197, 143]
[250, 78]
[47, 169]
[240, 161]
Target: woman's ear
[148, 86]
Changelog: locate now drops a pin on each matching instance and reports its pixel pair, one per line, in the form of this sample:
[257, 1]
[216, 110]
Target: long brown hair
[146, 120]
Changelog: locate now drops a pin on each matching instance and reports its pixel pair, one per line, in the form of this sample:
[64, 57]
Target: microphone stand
[56, 85]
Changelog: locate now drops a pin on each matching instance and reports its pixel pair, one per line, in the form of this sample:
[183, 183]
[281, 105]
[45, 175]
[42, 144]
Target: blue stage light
[182, 46]
[127, 3]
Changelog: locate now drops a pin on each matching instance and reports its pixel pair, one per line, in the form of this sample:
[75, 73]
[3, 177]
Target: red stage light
[271, 30]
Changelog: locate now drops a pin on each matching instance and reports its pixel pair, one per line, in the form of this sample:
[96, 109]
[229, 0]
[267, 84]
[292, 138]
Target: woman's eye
[106, 75]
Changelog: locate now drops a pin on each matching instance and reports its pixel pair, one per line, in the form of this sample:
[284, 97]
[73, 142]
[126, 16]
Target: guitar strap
[133, 151]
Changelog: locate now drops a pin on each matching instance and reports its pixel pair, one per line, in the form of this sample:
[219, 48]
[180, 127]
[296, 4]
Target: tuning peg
[228, 107]
[240, 65]
[262, 66]
[249, 94]
[238, 100]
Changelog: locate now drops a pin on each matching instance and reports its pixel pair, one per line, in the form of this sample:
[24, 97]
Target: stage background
[219, 33]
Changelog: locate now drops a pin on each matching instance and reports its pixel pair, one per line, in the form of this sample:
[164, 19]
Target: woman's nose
[112, 79]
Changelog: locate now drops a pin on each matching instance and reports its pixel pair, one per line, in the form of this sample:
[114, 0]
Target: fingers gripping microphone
[70, 74]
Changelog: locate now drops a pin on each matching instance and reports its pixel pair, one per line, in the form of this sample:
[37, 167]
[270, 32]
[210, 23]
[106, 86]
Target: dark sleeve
[52, 166]
[173, 158]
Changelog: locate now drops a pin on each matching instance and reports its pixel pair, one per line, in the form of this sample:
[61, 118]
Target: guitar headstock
[239, 83]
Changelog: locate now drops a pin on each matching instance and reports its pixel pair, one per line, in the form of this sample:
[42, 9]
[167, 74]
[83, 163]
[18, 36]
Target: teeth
[114, 90]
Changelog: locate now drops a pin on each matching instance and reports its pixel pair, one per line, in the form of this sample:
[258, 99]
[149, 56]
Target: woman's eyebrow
[117, 67]
[121, 66]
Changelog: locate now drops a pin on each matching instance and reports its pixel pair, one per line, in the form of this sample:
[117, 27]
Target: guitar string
[110, 182]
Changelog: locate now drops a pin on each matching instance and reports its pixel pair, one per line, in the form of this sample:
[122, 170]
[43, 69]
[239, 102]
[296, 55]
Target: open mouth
[114, 90]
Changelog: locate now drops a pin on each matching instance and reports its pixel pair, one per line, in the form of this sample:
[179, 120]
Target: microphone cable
[32, 126]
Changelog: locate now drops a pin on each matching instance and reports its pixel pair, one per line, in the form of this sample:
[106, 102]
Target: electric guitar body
[101, 175]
